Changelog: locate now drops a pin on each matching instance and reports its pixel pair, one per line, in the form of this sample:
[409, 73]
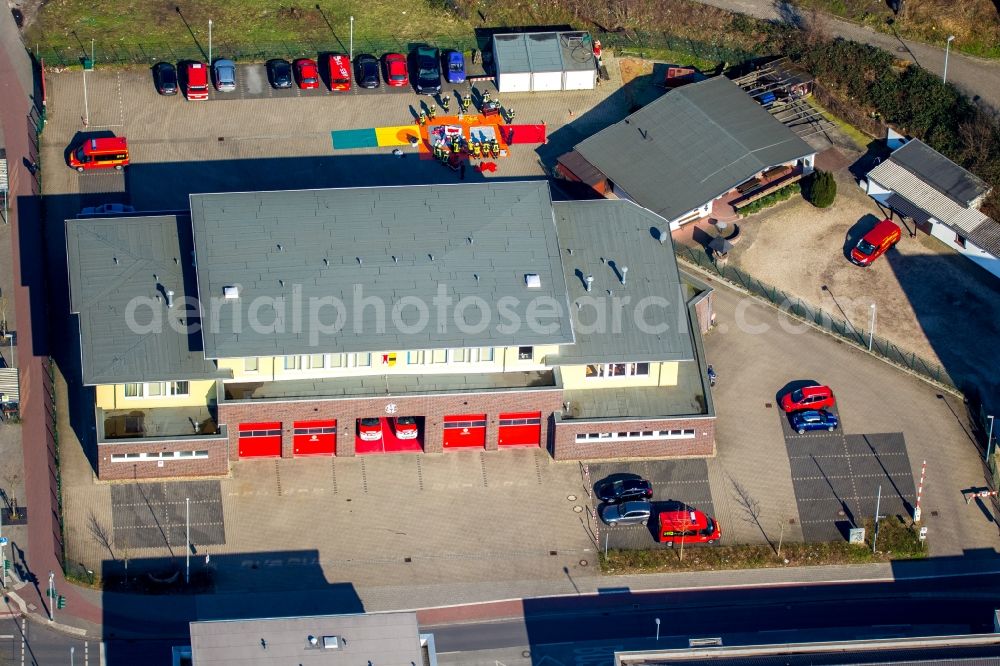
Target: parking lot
[473, 516]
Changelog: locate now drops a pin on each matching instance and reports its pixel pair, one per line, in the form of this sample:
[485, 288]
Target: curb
[64, 628]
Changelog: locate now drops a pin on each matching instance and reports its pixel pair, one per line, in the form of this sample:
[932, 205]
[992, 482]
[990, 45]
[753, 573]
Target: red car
[808, 397]
[395, 70]
[874, 244]
[405, 427]
[306, 74]
[687, 525]
[338, 68]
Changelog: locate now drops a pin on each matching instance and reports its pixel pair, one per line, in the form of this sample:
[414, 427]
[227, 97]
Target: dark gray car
[627, 513]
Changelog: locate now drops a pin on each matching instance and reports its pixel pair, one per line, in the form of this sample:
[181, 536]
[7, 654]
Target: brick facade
[217, 463]
[348, 410]
[702, 445]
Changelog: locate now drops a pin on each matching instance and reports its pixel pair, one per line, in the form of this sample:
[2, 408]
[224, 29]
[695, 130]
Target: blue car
[813, 419]
[455, 66]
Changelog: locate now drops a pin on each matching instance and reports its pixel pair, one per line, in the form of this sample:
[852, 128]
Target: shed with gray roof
[694, 144]
[374, 269]
[536, 61]
[121, 271]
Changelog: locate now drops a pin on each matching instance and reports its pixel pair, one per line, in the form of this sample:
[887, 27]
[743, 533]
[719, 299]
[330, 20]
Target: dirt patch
[637, 79]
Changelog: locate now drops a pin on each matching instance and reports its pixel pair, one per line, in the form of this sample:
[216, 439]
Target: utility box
[88, 65]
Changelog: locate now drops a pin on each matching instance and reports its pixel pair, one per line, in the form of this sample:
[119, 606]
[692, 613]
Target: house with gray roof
[362, 321]
[692, 153]
[939, 196]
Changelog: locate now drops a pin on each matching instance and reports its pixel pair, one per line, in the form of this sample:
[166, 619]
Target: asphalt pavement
[977, 77]
[26, 642]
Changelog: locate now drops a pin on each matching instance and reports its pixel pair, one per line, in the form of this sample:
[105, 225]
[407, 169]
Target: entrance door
[260, 440]
[520, 429]
[465, 431]
[315, 438]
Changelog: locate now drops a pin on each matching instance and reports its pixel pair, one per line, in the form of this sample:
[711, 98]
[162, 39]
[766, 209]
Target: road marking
[86, 653]
[24, 634]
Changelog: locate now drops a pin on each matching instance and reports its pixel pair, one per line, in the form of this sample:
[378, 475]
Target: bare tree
[750, 506]
[100, 534]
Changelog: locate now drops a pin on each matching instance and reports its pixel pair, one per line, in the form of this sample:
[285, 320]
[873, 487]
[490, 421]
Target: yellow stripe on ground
[396, 136]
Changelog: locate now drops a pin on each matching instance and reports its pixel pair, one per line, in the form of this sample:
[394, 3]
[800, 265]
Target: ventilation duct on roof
[231, 292]
[533, 281]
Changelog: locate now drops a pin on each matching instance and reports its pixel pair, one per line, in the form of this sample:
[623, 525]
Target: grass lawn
[896, 541]
[134, 23]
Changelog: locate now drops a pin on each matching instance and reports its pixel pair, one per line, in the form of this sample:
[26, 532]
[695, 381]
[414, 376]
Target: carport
[542, 61]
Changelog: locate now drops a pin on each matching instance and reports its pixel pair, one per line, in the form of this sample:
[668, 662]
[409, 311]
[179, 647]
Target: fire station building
[367, 321]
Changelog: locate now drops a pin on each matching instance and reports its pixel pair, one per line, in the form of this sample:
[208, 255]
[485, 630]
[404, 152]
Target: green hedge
[785, 193]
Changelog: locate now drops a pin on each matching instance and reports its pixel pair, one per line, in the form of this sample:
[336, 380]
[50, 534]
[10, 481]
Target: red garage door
[520, 429]
[315, 438]
[260, 440]
[468, 430]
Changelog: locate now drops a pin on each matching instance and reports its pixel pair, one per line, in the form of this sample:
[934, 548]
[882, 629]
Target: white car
[106, 209]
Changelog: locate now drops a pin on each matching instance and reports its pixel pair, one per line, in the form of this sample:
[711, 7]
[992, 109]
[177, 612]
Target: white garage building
[535, 61]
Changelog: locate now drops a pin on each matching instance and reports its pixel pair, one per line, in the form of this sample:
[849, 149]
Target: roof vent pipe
[624, 274]
[590, 282]
[170, 298]
[313, 640]
[326, 262]
[663, 237]
[280, 248]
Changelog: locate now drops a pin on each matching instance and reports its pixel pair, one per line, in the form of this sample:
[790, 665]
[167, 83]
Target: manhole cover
[571, 498]
[577, 509]
[768, 405]
[584, 563]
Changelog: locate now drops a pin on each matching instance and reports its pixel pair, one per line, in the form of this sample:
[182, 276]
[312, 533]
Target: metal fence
[147, 53]
[821, 318]
[643, 44]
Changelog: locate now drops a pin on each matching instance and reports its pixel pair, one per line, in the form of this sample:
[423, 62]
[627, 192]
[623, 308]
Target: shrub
[786, 192]
[822, 189]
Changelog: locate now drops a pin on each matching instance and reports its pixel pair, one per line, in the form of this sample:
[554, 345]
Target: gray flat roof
[543, 52]
[939, 172]
[386, 639]
[602, 238]
[117, 262]
[411, 252]
[691, 145]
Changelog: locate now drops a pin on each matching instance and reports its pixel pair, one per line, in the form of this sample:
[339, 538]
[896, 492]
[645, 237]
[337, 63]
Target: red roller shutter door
[520, 429]
[465, 431]
[260, 440]
[315, 438]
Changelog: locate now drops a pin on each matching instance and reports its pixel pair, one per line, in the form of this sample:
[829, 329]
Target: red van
[873, 244]
[197, 81]
[687, 525]
[338, 68]
[103, 153]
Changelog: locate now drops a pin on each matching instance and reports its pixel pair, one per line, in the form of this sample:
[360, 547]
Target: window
[250, 364]
[525, 353]
[158, 455]
[603, 370]
[415, 358]
[317, 361]
[686, 433]
[459, 355]
[335, 360]
[291, 363]
[156, 390]
[439, 356]
[959, 241]
[485, 354]
[363, 360]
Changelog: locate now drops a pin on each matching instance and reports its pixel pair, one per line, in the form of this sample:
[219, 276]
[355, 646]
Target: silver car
[225, 75]
[627, 513]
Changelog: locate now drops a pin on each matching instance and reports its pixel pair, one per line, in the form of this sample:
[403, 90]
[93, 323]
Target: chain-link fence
[147, 53]
[821, 318]
[643, 44]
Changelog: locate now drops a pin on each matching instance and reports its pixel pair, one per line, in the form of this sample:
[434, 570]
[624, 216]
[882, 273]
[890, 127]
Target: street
[31, 643]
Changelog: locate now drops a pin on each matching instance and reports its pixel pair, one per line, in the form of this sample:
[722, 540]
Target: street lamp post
[871, 326]
[209, 42]
[352, 38]
[72, 655]
[989, 440]
[657, 629]
[187, 544]
[878, 507]
[947, 48]
[52, 596]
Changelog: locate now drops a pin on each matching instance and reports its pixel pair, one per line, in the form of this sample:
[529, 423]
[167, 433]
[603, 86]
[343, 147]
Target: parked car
[165, 78]
[687, 525]
[454, 66]
[338, 69]
[814, 419]
[197, 81]
[627, 513]
[808, 397]
[405, 427]
[428, 69]
[224, 72]
[370, 430]
[306, 74]
[106, 209]
[108, 152]
[366, 71]
[279, 73]
[624, 490]
[874, 244]
[396, 74]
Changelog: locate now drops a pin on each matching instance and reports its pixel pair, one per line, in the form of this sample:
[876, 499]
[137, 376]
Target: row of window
[160, 455]
[610, 370]
[364, 360]
[453, 425]
[513, 422]
[686, 433]
[156, 390]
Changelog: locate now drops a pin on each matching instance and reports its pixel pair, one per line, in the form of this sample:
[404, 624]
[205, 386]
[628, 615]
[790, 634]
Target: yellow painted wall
[668, 373]
[112, 396]
[660, 374]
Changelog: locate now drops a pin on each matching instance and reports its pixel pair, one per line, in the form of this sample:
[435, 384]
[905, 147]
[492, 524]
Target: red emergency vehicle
[687, 525]
[197, 81]
[100, 153]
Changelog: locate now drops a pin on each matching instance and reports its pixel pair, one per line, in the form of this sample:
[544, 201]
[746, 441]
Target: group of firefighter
[451, 150]
[465, 102]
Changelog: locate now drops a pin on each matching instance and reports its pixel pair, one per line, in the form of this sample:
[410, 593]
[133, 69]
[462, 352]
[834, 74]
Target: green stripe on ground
[355, 138]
